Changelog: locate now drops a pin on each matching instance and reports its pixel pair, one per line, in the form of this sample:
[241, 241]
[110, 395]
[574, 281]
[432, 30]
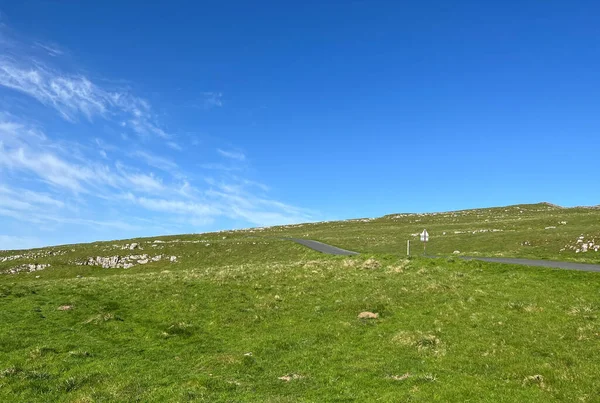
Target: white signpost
[424, 239]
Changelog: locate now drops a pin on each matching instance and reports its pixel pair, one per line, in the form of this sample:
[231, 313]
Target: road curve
[323, 247]
[541, 263]
[332, 250]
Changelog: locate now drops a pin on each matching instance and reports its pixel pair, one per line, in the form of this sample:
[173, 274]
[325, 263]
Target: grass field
[539, 231]
[244, 316]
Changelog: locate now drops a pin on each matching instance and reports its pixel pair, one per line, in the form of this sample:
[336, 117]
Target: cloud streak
[76, 95]
[213, 100]
[234, 155]
[230, 197]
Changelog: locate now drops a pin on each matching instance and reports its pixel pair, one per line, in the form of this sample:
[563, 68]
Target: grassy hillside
[244, 316]
[539, 231]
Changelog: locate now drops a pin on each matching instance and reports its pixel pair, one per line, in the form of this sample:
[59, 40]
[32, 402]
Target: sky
[126, 119]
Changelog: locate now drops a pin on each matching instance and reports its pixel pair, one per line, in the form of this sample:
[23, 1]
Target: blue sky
[123, 119]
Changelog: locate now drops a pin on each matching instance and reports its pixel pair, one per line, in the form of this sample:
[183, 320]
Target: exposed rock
[27, 268]
[582, 245]
[368, 315]
[456, 252]
[133, 246]
[65, 307]
[400, 377]
[290, 377]
[124, 262]
[9, 258]
[33, 255]
[371, 264]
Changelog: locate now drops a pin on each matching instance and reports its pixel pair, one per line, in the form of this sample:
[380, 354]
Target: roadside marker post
[424, 239]
[408, 248]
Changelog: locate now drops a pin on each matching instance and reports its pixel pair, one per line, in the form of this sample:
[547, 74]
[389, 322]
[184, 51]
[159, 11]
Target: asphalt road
[322, 247]
[332, 250]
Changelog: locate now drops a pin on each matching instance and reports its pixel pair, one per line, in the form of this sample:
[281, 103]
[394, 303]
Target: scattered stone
[456, 252]
[32, 255]
[400, 377]
[133, 246]
[290, 377]
[368, 315]
[371, 264]
[249, 354]
[9, 258]
[535, 379]
[65, 307]
[27, 268]
[124, 262]
[581, 245]
[349, 262]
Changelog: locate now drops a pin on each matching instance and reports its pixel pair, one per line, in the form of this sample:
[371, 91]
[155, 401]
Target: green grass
[513, 231]
[230, 318]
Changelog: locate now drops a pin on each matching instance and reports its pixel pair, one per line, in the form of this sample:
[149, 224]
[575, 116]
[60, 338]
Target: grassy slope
[520, 232]
[180, 332]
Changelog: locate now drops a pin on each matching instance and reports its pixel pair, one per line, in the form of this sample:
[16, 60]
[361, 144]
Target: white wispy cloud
[234, 155]
[220, 167]
[174, 146]
[145, 182]
[50, 49]
[68, 95]
[53, 181]
[76, 95]
[156, 161]
[176, 206]
[212, 99]
[27, 197]
[231, 196]
[50, 168]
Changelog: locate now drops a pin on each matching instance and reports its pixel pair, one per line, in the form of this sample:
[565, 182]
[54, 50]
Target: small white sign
[424, 236]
